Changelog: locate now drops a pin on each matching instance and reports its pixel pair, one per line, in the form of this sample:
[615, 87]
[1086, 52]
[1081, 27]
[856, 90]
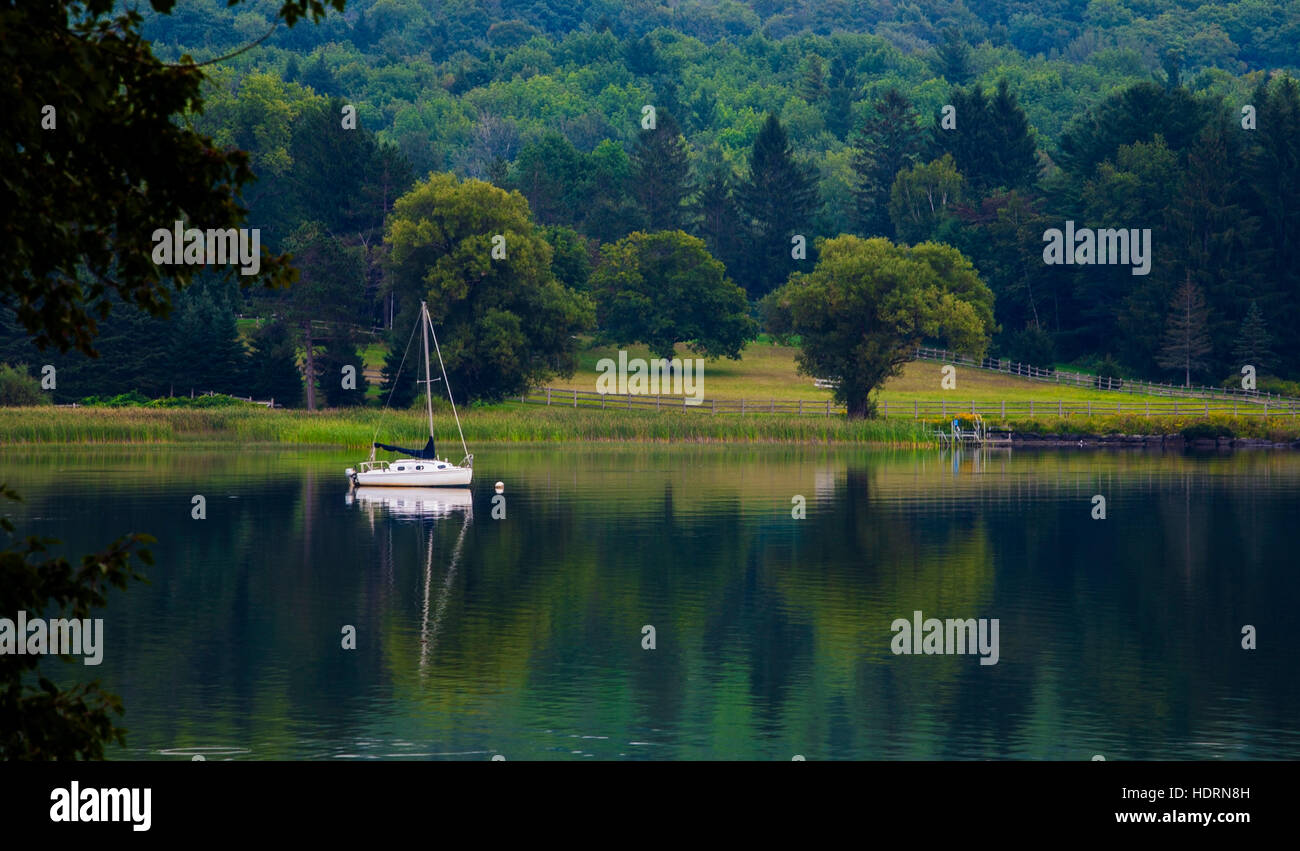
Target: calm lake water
[522, 636]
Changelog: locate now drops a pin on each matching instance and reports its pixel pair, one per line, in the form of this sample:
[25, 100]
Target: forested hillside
[776, 120]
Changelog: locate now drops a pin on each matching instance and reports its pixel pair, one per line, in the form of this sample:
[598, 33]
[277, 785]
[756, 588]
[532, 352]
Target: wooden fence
[940, 409]
[1096, 382]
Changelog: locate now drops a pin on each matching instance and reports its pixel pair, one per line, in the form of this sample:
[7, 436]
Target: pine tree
[842, 93]
[1013, 151]
[1187, 342]
[272, 371]
[718, 220]
[952, 59]
[397, 389]
[1273, 176]
[890, 141]
[1254, 345]
[661, 174]
[342, 352]
[777, 200]
[1212, 233]
[812, 84]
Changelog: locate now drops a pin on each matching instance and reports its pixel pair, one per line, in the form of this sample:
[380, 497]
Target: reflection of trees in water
[769, 629]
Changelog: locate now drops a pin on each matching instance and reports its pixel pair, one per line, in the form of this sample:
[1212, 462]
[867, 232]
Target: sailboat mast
[428, 372]
[443, 367]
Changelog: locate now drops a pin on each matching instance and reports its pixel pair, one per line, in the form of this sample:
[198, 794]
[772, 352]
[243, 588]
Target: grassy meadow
[766, 372]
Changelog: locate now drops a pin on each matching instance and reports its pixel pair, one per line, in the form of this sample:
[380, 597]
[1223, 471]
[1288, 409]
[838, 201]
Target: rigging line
[443, 367]
[393, 389]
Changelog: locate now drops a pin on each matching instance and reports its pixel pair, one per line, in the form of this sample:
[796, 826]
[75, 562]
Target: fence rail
[1096, 382]
[930, 409]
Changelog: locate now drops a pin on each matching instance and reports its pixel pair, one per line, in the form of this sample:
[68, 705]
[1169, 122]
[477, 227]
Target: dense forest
[771, 121]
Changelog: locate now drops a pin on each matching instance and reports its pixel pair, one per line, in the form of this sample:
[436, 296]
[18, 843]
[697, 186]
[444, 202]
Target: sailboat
[419, 468]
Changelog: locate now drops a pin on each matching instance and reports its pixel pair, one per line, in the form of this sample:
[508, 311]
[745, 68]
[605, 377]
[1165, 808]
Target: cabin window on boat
[419, 466]
[400, 469]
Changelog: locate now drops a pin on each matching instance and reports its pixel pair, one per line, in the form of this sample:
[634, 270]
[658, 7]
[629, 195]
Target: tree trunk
[311, 367]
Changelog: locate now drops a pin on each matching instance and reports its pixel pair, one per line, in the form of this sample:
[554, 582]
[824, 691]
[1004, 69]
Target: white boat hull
[414, 474]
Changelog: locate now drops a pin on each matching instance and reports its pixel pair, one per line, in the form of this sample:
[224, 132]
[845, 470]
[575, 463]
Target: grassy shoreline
[517, 423]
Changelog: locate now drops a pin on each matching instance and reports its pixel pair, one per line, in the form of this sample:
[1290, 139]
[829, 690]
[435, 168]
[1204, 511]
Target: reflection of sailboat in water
[431, 624]
[429, 508]
[412, 502]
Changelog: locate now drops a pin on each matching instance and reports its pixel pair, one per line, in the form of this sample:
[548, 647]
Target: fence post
[773, 410]
[575, 397]
[715, 407]
[801, 406]
[742, 406]
[1004, 410]
[1031, 408]
[1060, 408]
[548, 397]
[1148, 413]
[916, 410]
[1207, 407]
[659, 400]
[885, 414]
[1266, 408]
[972, 407]
[828, 408]
[629, 401]
[945, 410]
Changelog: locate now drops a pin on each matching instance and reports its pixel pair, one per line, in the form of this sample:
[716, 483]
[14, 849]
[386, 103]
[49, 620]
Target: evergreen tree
[1273, 176]
[842, 93]
[718, 220]
[1254, 345]
[777, 200]
[661, 174]
[331, 290]
[812, 83]
[272, 371]
[1187, 343]
[341, 352]
[890, 141]
[206, 352]
[397, 386]
[1016, 156]
[546, 173]
[1212, 234]
[318, 77]
[952, 58]
[991, 144]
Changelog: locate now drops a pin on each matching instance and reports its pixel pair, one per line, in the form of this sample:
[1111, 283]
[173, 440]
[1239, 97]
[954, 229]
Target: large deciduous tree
[664, 288]
[921, 198]
[504, 323]
[868, 304]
